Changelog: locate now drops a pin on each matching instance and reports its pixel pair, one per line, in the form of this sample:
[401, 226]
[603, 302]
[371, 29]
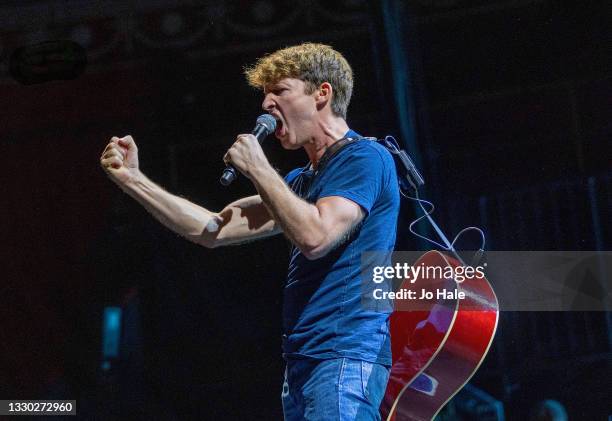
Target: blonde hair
[312, 63]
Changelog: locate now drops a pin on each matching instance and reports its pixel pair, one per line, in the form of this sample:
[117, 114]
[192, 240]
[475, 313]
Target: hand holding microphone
[242, 153]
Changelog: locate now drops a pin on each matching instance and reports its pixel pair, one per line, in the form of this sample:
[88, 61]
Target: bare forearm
[181, 216]
[299, 219]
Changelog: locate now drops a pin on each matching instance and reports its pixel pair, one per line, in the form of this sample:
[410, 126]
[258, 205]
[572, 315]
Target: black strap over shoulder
[301, 184]
[408, 175]
[334, 149]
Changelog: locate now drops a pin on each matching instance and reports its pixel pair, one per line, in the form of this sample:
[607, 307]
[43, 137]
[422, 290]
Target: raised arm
[241, 221]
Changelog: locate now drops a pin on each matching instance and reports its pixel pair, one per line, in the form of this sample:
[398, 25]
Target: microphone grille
[268, 121]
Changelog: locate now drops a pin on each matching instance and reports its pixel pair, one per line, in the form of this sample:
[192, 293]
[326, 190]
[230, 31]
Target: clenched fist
[246, 155]
[120, 159]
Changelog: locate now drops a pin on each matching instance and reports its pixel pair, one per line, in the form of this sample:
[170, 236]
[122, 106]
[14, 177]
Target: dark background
[506, 106]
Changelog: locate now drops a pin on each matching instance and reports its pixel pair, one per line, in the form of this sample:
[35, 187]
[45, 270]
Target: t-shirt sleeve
[358, 175]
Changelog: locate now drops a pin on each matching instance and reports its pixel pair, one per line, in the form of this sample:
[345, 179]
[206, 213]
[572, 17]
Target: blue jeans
[333, 390]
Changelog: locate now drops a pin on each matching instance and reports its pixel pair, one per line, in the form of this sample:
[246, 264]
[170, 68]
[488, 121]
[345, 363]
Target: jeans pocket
[366, 374]
[374, 379]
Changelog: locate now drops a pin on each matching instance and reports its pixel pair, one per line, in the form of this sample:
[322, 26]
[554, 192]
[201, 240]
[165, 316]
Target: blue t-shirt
[323, 316]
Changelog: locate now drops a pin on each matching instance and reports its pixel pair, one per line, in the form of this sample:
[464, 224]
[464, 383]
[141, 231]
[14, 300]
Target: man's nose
[268, 103]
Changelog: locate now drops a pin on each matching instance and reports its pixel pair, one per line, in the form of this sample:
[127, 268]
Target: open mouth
[280, 128]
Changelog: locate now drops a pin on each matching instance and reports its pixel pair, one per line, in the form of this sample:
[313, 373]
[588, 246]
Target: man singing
[343, 203]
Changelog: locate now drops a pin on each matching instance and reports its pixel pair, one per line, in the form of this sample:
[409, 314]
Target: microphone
[265, 125]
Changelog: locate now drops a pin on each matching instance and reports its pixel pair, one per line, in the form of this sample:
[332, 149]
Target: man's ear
[324, 95]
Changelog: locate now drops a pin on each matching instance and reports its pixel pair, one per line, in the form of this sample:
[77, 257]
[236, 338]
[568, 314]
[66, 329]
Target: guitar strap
[407, 173]
[334, 149]
[301, 184]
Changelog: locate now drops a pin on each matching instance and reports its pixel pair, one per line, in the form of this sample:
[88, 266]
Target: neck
[327, 133]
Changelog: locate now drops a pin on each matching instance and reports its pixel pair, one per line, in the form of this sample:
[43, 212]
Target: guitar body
[437, 344]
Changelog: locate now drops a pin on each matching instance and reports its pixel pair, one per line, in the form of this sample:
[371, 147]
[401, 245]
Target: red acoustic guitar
[437, 347]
